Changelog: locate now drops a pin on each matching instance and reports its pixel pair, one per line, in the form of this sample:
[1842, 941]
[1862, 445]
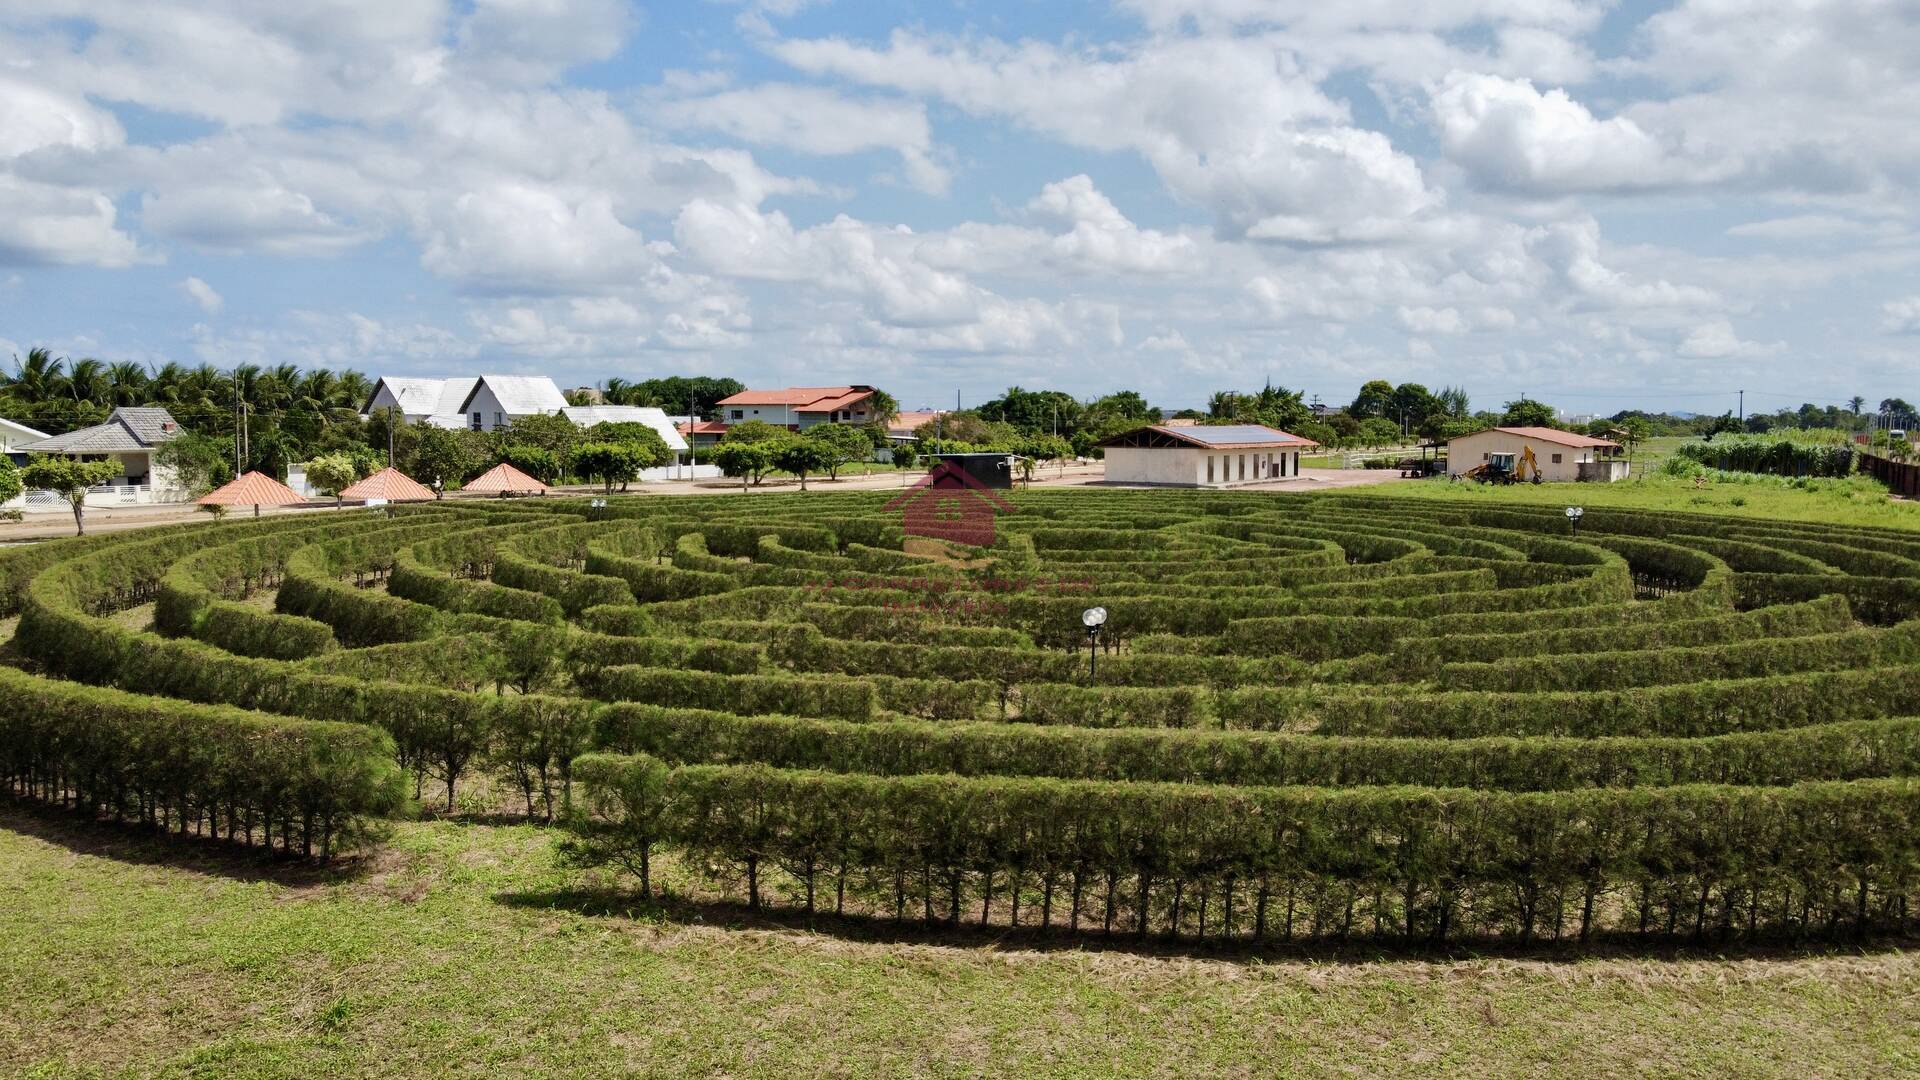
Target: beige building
[1223, 455]
[1559, 455]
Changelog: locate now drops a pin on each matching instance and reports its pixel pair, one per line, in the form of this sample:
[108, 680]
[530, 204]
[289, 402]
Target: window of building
[476, 421]
[1556, 459]
[737, 414]
[1243, 466]
[499, 419]
[1209, 468]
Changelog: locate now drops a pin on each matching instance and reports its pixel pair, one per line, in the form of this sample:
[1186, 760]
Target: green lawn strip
[443, 958]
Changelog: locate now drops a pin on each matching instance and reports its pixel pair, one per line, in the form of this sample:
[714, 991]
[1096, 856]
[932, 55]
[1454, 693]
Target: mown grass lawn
[459, 951]
[1855, 500]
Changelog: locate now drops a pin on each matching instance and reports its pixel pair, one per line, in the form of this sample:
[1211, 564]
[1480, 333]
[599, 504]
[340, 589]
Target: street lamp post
[1093, 619]
[1573, 519]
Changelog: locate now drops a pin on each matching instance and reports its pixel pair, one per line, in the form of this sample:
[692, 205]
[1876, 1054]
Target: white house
[422, 401]
[483, 403]
[588, 415]
[12, 434]
[1561, 455]
[1222, 455]
[128, 438]
[799, 407]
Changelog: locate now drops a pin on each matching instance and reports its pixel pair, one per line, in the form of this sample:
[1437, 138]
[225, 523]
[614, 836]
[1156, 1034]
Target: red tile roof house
[1563, 455]
[798, 407]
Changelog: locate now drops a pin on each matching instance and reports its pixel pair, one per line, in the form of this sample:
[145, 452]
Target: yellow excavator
[1508, 468]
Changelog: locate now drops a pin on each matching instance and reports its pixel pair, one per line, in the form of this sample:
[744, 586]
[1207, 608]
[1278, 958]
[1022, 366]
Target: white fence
[41, 500]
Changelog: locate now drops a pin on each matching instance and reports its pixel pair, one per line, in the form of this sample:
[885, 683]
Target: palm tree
[618, 391]
[353, 390]
[165, 384]
[87, 380]
[1855, 404]
[126, 383]
[38, 378]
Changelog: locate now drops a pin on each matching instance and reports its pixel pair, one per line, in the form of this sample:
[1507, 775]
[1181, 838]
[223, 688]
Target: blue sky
[1601, 205]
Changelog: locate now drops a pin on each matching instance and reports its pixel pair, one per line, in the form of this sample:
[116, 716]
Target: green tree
[607, 462]
[752, 431]
[554, 433]
[1373, 399]
[800, 456]
[538, 462]
[71, 478]
[1527, 412]
[199, 462]
[649, 448]
[747, 460]
[1039, 449]
[442, 457]
[1379, 431]
[333, 473]
[842, 444]
[10, 485]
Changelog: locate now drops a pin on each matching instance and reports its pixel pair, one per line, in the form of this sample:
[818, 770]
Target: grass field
[1855, 500]
[460, 951]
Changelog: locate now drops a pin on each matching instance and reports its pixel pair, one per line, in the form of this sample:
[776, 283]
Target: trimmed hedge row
[1436, 864]
[226, 773]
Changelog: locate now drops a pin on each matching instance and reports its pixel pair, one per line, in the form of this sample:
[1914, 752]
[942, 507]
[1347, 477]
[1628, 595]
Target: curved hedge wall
[1331, 717]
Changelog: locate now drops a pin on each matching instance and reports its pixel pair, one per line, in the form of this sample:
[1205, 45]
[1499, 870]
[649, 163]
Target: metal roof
[1208, 437]
[588, 415]
[127, 430]
[1545, 434]
[519, 395]
[425, 396]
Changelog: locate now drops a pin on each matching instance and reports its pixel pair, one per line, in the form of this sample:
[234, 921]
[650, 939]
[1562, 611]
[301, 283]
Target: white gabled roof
[588, 415]
[421, 396]
[21, 430]
[519, 395]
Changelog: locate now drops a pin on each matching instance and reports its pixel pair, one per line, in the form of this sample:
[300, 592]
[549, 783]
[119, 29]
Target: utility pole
[1743, 406]
[236, 423]
[389, 436]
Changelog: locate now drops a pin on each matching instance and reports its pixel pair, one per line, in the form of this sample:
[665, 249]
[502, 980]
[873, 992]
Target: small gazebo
[388, 485]
[503, 479]
[256, 488]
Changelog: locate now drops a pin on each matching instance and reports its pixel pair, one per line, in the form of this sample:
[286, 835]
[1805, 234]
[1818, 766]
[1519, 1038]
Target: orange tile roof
[704, 427]
[504, 479]
[803, 398]
[390, 484]
[252, 489]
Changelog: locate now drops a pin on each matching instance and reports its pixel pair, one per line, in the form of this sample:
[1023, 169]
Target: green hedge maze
[1308, 718]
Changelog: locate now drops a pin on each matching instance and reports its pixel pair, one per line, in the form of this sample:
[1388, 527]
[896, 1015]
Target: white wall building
[798, 407]
[128, 438]
[482, 403]
[588, 415]
[1562, 455]
[12, 434]
[1225, 455]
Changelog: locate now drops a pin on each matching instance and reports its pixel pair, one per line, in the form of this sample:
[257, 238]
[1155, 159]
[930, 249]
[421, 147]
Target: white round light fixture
[1093, 617]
